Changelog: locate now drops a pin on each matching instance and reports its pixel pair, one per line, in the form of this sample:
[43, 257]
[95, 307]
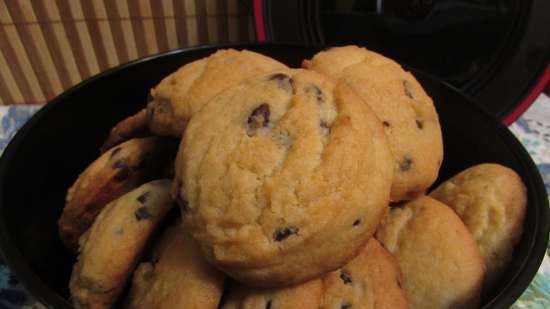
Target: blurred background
[494, 51]
[46, 46]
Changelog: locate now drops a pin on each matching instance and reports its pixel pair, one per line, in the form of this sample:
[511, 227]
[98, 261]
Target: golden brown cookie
[177, 277]
[180, 95]
[491, 199]
[372, 280]
[109, 250]
[304, 296]
[440, 261]
[407, 112]
[132, 127]
[114, 173]
[286, 177]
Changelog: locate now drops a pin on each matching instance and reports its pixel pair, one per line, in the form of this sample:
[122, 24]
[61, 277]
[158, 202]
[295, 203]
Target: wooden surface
[47, 46]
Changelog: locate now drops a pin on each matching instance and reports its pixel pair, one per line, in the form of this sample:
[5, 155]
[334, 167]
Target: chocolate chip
[419, 124]
[316, 92]
[285, 232]
[325, 129]
[357, 222]
[143, 198]
[283, 81]
[259, 117]
[268, 304]
[408, 87]
[123, 170]
[406, 164]
[386, 124]
[345, 305]
[345, 276]
[142, 213]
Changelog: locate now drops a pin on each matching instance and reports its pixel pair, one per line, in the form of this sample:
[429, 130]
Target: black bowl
[49, 152]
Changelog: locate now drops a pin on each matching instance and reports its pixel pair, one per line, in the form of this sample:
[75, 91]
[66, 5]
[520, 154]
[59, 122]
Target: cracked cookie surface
[372, 280]
[114, 173]
[181, 94]
[406, 111]
[176, 277]
[283, 177]
[440, 261]
[304, 296]
[491, 199]
[110, 248]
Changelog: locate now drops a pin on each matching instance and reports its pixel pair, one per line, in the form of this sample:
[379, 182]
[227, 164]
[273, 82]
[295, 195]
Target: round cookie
[177, 277]
[283, 178]
[372, 280]
[132, 127]
[440, 261]
[304, 296]
[180, 95]
[491, 199]
[407, 112]
[109, 249]
[114, 173]
[332, 61]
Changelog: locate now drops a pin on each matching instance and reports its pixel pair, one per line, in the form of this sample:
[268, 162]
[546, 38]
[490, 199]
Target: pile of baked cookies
[297, 188]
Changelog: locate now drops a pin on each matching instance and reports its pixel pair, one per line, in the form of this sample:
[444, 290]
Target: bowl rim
[51, 299]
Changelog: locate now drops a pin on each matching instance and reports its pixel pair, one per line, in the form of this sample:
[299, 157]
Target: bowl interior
[52, 149]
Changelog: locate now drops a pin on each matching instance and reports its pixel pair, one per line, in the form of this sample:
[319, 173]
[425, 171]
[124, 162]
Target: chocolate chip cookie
[132, 127]
[441, 263]
[491, 200]
[304, 296]
[183, 93]
[372, 280]
[284, 177]
[406, 111]
[110, 249]
[114, 173]
[176, 277]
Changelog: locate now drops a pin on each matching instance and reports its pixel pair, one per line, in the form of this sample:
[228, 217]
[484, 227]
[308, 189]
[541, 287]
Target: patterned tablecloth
[532, 129]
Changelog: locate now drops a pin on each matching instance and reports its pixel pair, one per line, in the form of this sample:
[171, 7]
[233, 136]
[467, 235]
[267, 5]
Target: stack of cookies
[296, 188]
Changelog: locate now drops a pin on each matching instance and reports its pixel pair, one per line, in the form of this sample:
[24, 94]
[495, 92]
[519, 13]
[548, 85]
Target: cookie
[180, 95]
[177, 277]
[440, 261]
[491, 200]
[114, 173]
[109, 250]
[304, 296]
[132, 127]
[372, 280]
[283, 178]
[407, 112]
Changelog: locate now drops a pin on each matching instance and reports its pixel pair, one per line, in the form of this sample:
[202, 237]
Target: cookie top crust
[407, 112]
[181, 94]
[285, 168]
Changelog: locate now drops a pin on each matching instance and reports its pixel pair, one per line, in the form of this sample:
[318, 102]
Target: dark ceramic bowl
[49, 152]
